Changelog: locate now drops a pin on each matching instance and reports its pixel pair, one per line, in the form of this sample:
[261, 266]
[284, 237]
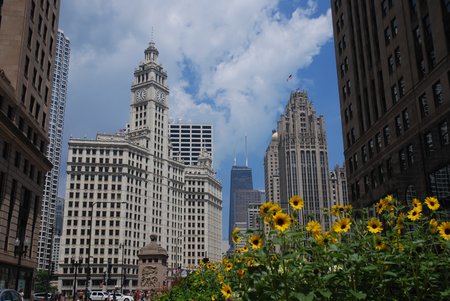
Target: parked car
[41, 296]
[120, 297]
[99, 296]
[10, 295]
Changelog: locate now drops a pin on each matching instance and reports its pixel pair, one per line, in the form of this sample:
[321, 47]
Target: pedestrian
[21, 293]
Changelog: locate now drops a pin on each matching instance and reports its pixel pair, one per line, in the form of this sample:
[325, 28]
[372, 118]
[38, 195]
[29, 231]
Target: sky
[227, 62]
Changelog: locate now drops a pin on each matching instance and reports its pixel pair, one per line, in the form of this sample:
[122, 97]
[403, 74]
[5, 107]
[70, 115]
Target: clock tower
[149, 109]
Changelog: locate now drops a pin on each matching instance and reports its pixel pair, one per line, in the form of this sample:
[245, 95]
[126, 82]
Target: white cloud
[243, 52]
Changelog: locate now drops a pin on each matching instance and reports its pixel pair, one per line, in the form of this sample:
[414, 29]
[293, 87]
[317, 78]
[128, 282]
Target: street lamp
[75, 264]
[122, 246]
[20, 249]
[88, 272]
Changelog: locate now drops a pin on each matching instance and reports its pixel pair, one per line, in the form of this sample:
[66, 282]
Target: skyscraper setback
[393, 67]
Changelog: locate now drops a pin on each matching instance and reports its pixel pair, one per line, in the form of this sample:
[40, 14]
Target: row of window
[406, 159]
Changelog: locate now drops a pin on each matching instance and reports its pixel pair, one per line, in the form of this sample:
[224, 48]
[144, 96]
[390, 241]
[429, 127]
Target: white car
[120, 297]
[99, 296]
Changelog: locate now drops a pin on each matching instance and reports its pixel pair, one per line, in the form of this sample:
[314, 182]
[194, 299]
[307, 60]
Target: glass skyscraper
[241, 178]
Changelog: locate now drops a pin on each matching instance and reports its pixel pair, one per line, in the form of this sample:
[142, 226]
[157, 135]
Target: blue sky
[227, 63]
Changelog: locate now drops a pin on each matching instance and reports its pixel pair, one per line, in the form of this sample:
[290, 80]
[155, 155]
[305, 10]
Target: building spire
[246, 154]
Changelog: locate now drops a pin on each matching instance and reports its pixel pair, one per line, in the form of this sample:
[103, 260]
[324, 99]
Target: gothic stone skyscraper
[393, 73]
[303, 158]
[27, 47]
[55, 133]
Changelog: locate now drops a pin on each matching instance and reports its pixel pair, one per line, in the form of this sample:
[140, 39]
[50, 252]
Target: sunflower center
[343, 226]
[447, 231]
[280, 222]
[255, 242]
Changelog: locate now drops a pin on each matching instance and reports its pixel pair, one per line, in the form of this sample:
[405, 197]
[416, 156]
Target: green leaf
[302, 297]
[389, 273]
[358, 295]
[328, 277]
[325, 293]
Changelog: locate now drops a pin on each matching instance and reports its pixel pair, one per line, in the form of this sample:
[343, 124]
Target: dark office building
[28, 31]
[393, 64]
[241, 178]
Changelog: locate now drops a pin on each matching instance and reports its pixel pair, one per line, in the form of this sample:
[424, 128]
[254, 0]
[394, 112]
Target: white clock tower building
[120, 189]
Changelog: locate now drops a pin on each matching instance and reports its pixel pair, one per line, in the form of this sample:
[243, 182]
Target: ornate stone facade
[152, 264]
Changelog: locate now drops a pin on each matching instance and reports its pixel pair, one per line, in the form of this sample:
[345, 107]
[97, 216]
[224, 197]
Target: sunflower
[444, 230]
[296, 202]
[265, 208]
[414, 214]
[314, 227]
[434, 224]
[374, 226]
[417, 204]
[255, 241]
[380, 206]
[325, 238]
[282, 221]
[245, 248]
[213, 298]
[235, 235]
[271, 213]
[226, 291]
[432, 203]
[336, 210]
[379, 244]
[241, 273]
[399, 223]
[228, 266]
[342, 225]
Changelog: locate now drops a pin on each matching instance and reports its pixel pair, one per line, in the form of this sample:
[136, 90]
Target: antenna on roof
[246, 154]
[152, 37]
[234, 164]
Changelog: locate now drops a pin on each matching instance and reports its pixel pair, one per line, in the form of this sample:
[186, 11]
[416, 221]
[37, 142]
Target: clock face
[140, 94]
[161, 96]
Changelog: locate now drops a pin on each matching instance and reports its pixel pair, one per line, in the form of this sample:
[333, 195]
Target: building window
[443, 131]
[437, 93]
[389, 168]
[391, 63]
[401, 87]
[364, 154]
[384, 8]
[386, 135]
[394, 92]
[394, 26]
[381, 174]
[402, 159]
[398, 57]
[423, 102]
[410, 154]
[429, 142]
[398, 125]
[371, 148]
[406, 122]
[387, 35]
[378, 141]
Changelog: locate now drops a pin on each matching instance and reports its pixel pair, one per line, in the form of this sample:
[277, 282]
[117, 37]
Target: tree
[42, 283]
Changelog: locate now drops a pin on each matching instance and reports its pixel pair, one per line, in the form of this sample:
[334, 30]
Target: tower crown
[151, 53]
